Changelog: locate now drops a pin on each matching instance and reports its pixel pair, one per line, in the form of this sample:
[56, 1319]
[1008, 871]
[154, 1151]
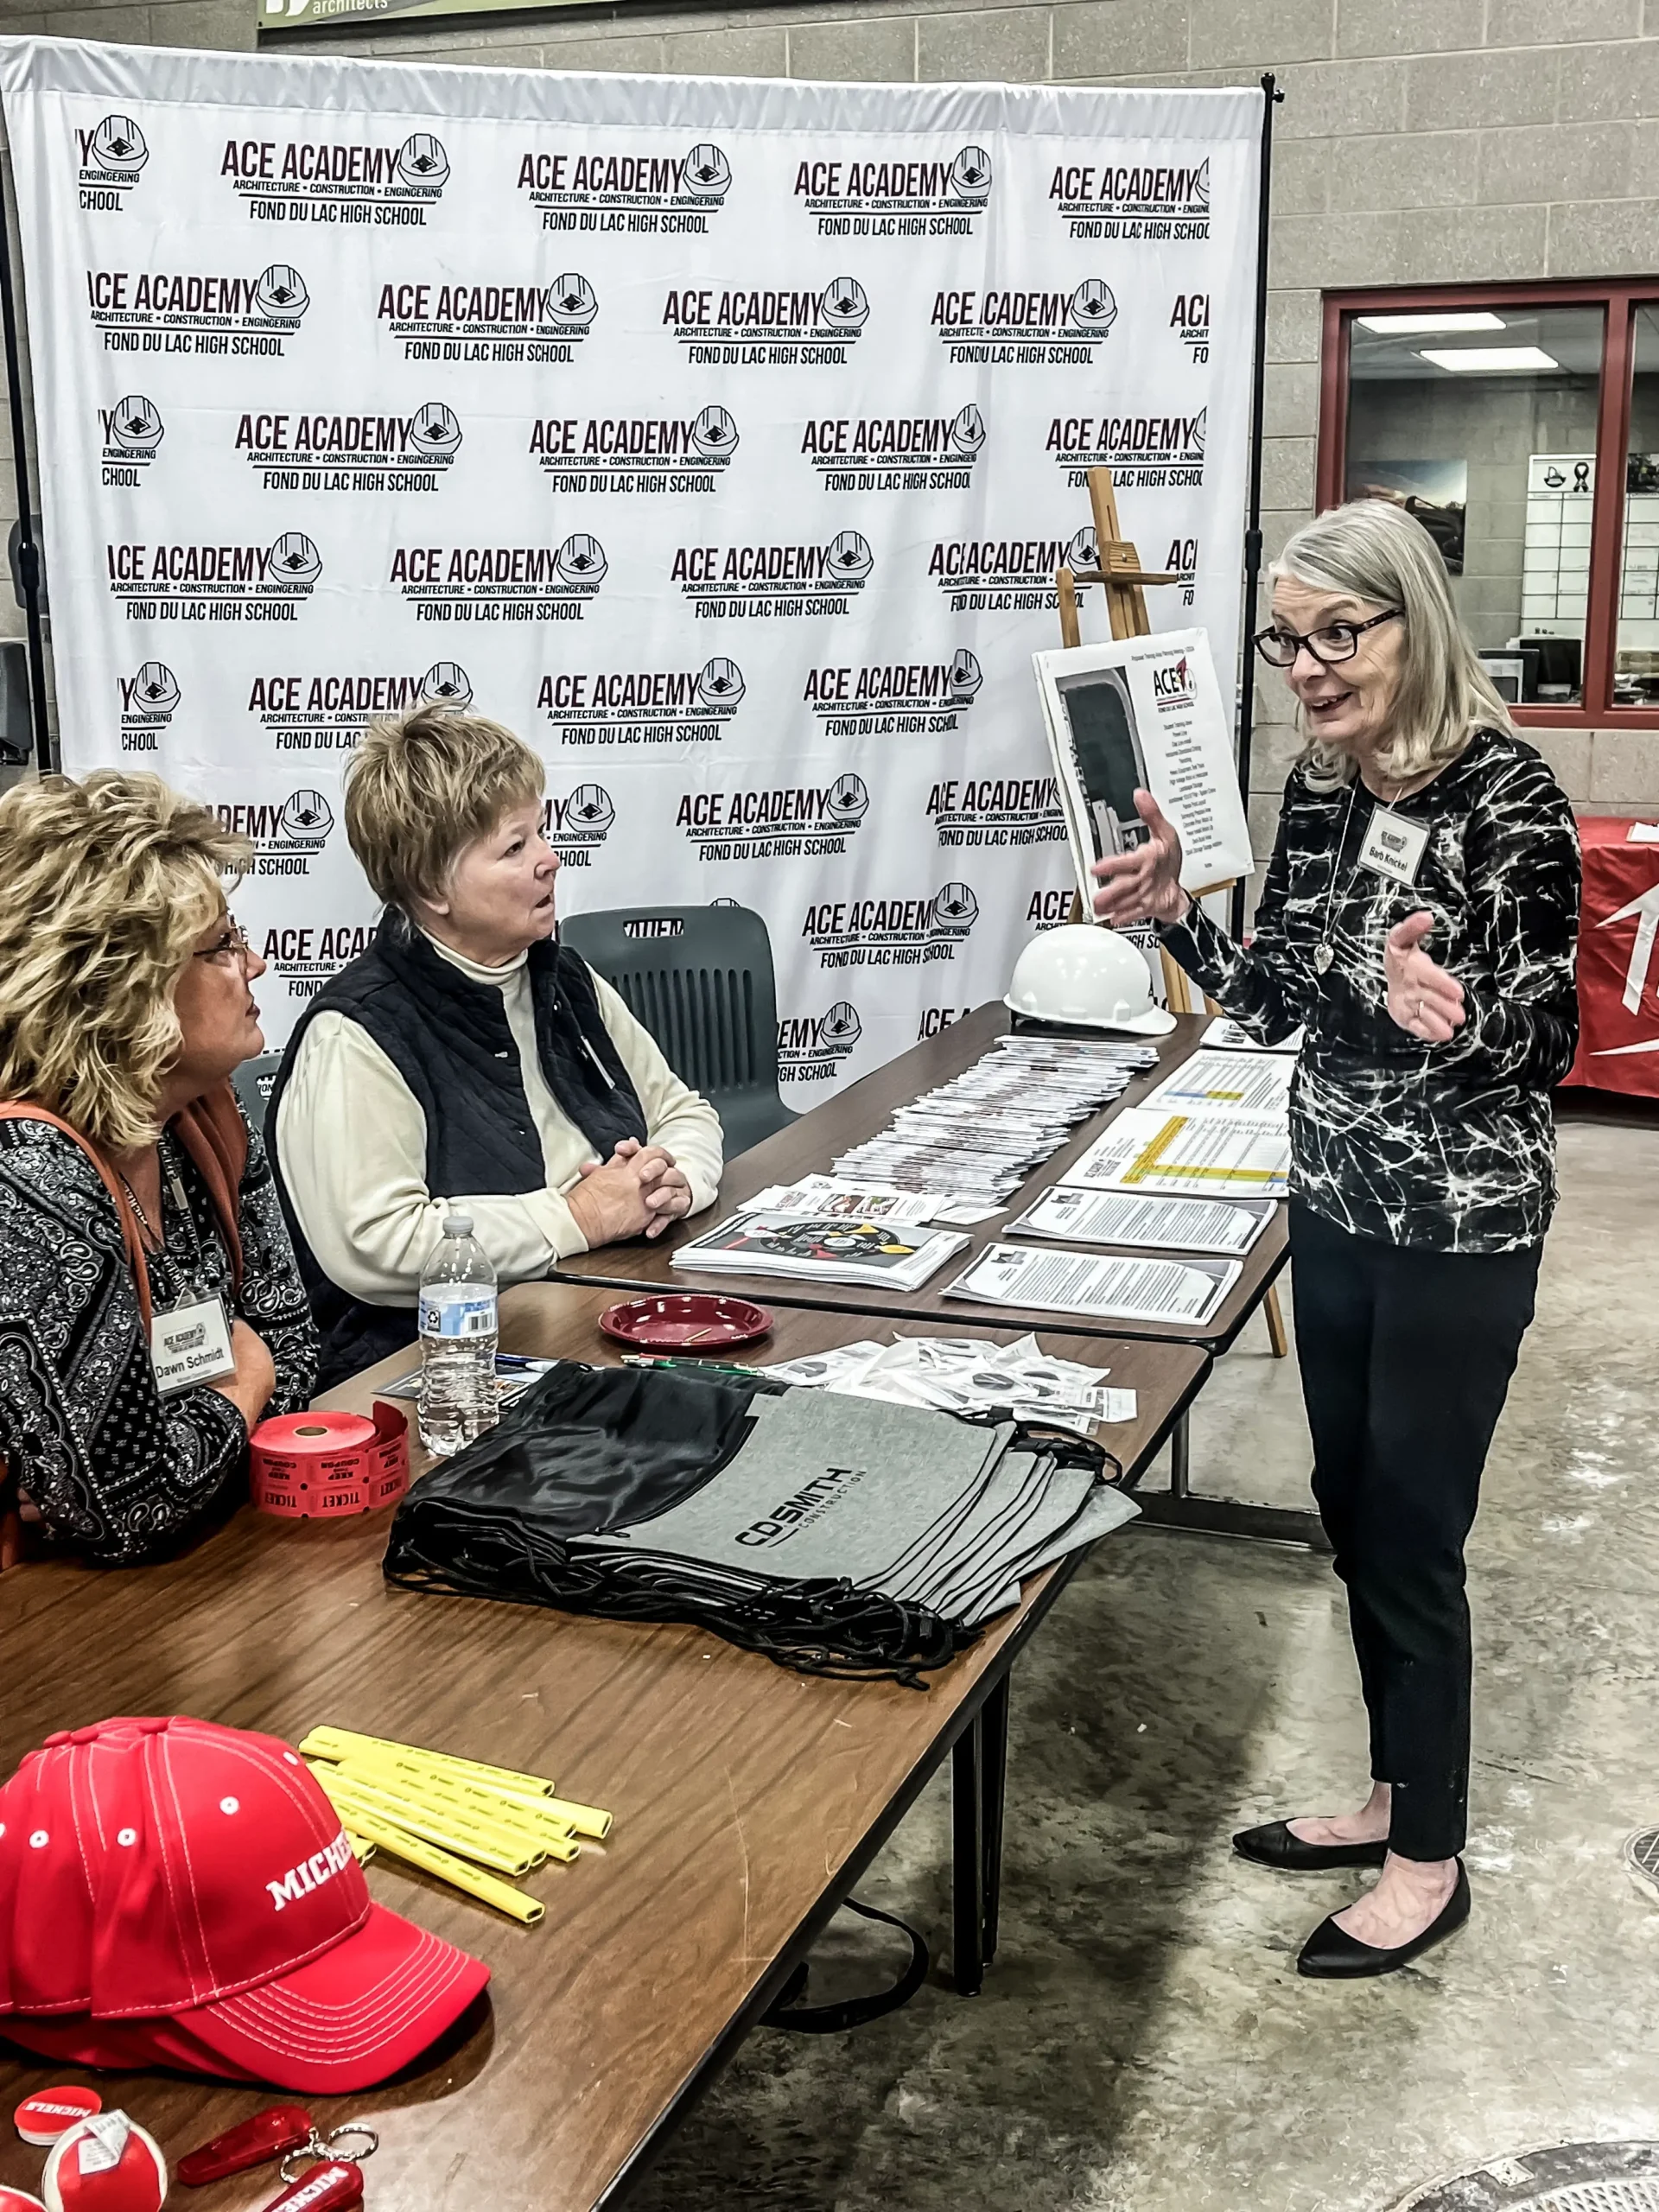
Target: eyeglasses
[232, 946]
[1335, 641]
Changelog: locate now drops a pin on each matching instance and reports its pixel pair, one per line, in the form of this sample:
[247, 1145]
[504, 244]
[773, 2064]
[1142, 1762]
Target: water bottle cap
[458, 1225]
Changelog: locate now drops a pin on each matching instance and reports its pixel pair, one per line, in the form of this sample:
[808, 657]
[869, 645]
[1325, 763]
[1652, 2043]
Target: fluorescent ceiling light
[1406, 326]
[1471, 359]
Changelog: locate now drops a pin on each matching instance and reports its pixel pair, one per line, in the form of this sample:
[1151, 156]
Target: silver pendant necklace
[1325, 952]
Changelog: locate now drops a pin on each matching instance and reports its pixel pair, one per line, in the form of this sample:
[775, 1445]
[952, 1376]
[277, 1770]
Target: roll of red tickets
[18, 2200]
[323, 1466]
[42, 2118]
[106, 2164]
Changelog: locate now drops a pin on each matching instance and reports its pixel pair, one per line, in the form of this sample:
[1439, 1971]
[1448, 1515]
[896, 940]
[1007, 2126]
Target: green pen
[701, 1366]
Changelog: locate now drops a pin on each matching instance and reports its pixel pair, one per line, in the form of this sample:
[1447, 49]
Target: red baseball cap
[176, 1893]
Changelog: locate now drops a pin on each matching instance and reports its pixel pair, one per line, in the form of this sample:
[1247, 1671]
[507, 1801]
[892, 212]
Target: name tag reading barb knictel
[1394, 847]
[191, 1344]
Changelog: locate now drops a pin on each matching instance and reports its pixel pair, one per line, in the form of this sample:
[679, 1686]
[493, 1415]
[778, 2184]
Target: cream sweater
[352, 1142]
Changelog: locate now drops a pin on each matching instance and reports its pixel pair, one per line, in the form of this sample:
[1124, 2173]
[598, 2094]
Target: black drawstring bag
[590, 1449]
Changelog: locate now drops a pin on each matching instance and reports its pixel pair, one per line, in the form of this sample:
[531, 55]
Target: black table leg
[1179, 1508]
[968, 1858]
[994, 1761]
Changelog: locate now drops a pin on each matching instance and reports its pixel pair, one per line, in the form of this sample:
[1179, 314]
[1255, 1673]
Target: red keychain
[331, 2187]
[336, 2184]
[268, 2135]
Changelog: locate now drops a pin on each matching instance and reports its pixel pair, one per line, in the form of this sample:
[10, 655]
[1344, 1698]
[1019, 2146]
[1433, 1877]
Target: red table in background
[1618, 960]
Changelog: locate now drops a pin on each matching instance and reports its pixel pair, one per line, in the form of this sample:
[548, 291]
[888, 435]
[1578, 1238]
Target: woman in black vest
[1420, 921]
[467, 1056]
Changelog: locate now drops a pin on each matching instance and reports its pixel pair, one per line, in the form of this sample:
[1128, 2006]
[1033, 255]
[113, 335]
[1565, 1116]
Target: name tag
[191, 1344]
[1394, 846]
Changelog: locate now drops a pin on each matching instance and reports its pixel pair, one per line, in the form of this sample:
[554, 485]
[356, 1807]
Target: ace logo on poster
[312, 711]
[895, 453]
[906, 698]
[328, 179]
[768, 328]
[170, 311]
[763, 581]
[642, 706]
[901, 197]
[1029, 328]
[790, 822]
[639, 193]
[679, 454]
[1163, 199]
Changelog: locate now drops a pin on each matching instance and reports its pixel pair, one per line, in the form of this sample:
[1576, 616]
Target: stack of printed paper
[832, 1247]
[1188, 1289]
[975, 1139]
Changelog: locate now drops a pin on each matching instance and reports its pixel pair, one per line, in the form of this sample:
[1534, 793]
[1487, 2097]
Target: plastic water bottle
[459, 1400]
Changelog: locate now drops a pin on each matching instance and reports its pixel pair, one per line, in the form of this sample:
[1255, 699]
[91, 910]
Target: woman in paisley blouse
[1419, 919]
[130, 1186]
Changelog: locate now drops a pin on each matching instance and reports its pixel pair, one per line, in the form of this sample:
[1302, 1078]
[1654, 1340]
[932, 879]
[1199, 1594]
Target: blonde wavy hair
[1374, 552]
[420, 790]
[108, 883]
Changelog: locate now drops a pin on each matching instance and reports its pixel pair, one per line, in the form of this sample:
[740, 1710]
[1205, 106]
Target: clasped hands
[638, 1190]
[1144, 885]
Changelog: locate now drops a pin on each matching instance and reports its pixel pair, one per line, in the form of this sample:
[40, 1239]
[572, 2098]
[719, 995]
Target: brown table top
[810, 1146]
[747, 1801]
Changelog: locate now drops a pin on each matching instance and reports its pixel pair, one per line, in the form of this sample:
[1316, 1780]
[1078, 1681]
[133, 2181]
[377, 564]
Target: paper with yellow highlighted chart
[1174, 1150]
[1243, 1083]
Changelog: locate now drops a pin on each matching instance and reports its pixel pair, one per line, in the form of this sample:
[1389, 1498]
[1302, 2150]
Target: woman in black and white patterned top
[150, 1309]
[1419, 920]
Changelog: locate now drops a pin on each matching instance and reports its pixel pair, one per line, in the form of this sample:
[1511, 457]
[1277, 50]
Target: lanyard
[168, 1164]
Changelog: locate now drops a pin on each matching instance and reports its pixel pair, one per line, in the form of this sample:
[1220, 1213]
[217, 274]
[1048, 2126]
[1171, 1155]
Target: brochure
[1071, 1282]
[1079, 1217]
[1191, 1154]
[825, 1249]
[1224, 1035]
[1144, 712]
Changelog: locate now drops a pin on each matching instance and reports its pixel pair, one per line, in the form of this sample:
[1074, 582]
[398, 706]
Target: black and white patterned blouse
[116, 1470]
[1448, 1147]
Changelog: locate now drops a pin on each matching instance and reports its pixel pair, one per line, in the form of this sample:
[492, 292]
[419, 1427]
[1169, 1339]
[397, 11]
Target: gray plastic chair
[253, 1080]
[700, 978]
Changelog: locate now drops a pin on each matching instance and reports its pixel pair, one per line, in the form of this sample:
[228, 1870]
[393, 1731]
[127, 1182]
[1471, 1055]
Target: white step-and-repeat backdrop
[722, 438]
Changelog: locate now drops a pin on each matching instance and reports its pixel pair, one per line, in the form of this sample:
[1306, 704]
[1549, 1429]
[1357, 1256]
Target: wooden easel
[1125, 582]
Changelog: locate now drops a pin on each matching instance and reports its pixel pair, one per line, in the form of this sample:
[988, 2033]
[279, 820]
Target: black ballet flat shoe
[1330, 1954]
[1276, 1846]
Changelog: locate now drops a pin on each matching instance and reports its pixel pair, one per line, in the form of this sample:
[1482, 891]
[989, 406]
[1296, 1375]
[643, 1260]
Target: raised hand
[1423, 1000]
[1144, 885]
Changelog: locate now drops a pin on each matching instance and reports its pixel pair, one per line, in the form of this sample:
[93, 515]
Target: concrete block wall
[1420, 141]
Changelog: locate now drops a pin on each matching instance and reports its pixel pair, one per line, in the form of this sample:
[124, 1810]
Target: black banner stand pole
[28, 551]
[1270, 97]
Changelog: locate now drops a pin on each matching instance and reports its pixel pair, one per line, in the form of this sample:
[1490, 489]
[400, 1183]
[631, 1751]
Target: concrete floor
[1143, 2044]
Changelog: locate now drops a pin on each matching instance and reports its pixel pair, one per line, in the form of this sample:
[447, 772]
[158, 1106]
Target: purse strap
[23, 1109]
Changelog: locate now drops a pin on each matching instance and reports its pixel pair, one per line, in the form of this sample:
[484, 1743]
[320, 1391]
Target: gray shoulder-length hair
[1374, 552]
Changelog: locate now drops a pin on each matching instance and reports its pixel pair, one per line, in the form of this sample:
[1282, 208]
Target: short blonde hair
[1375, 551]
[419, 790]
[108, 884]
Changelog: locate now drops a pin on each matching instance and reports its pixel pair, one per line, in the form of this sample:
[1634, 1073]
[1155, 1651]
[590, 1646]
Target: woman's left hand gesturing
[1422, 998]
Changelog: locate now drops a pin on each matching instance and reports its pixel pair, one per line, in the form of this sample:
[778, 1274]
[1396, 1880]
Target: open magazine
[1144, 712]
[833, 1247]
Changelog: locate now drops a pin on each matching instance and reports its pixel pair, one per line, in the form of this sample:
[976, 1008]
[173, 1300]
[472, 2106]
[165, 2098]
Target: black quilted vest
[448, 1038]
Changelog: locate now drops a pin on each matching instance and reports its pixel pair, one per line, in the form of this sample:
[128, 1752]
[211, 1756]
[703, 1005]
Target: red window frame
[1620, 300]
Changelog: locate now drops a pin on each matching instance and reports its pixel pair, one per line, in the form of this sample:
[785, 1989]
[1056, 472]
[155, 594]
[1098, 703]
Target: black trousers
[1406, 1359]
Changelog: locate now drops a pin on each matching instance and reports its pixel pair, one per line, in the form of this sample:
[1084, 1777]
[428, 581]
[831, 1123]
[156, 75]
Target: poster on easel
[722, 438]
[1144, 714]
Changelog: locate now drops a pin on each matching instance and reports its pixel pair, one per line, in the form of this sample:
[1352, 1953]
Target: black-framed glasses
[231, 944]
[1332, 642]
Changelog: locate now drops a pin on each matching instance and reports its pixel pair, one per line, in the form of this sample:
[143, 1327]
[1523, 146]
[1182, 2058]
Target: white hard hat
[1088, 976]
